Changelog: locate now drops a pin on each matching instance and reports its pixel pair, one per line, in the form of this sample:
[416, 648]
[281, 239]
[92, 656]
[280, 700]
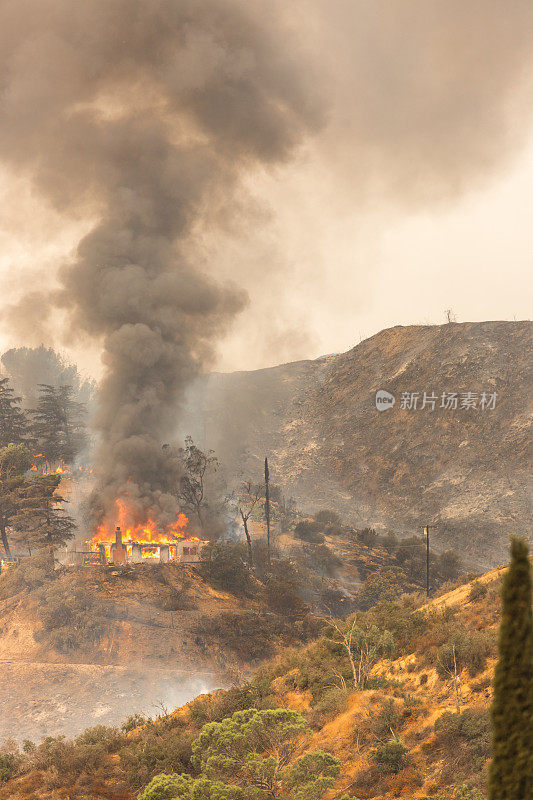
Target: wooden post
[426, 531]
[267, 508]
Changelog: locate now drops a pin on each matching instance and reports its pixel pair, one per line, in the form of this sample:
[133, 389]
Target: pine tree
[58, 423]
[40, 521]
[13, 422]
[511, 774]
[15, 459]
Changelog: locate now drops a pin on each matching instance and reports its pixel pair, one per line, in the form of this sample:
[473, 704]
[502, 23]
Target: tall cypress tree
[40, 521]
[13, 423]
[511, 774]
[58, 423]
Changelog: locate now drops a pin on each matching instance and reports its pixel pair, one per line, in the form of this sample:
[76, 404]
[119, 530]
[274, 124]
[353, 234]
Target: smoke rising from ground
[149, 116]
[145, 114]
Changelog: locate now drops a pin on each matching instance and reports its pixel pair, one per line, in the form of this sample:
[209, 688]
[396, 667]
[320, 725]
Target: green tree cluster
[30, 508]
[251, 756]
[58, 423]
[13, 422]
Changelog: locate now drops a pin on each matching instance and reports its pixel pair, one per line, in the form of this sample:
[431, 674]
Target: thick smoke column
[145, 115]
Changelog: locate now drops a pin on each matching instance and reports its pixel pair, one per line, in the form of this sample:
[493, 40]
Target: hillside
[81, 645]
[406, 693]
[464, 471]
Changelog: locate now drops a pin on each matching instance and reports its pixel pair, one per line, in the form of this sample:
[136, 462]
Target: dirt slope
[465, 471]
[144, 654]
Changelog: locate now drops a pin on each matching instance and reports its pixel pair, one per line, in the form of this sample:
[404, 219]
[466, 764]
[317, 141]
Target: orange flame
[148, 532]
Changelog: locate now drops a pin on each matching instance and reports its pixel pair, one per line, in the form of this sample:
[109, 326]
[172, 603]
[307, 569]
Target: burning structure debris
[136, 551]
[129, 543]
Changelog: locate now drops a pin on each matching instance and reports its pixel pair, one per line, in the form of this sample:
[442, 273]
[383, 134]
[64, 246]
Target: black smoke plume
[145, 115]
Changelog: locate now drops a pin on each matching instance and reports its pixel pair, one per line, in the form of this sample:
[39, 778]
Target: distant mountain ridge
[464, 470]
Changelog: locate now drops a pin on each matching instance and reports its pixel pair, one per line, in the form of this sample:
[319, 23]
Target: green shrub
[331, 703]
[29, 574]
[250, 636]
[167, 787]
[477, 591]
[471, 649]
[466, 792]
[309, 531]
[159, 750]
[381, 586]
[390, 756]
[405, 625]
[449, 565]
[470, 726]
[320, 558]
[283, 589]
[367, 536]
[327, 517]
[225, 565]
[8, 766]
[389, 542]
[70, 620]
[386, 720]
[134, 721]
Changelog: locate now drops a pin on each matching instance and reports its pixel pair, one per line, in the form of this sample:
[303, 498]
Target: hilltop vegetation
[388, 729]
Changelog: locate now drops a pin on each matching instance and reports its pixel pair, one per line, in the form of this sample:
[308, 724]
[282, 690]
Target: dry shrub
[407, 781]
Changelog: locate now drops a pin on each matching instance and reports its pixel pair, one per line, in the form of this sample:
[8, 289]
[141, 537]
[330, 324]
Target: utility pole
[267, 508]
[426, 532]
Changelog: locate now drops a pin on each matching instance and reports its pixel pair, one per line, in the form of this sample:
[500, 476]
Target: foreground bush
[390, 756]
[249, 756]
[472, 727]
[470, 649]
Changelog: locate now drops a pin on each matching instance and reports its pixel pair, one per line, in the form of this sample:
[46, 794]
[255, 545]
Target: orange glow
[144, 533]
[33, 468]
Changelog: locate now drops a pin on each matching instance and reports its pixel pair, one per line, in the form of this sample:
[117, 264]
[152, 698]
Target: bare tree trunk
[5, 542]
[248, 539]
[267, 508]
[456, 684]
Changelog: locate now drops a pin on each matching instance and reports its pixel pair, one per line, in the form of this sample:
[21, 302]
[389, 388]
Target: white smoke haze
[209, 143]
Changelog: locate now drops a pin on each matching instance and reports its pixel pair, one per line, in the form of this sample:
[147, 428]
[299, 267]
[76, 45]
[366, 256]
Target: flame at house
[126, 541]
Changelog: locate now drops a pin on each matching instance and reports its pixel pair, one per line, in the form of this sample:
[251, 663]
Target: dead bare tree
[450, 316]
[451, 671]
[191, 491]
[364, 647]
[252, 494]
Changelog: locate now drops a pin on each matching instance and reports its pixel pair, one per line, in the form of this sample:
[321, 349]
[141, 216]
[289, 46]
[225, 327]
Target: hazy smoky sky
[371, 165]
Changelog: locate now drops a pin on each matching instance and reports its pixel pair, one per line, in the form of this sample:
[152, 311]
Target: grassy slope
[342, 722]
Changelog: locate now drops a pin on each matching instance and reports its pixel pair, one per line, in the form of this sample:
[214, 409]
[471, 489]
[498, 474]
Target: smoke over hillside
[147, 114]
[146, 117]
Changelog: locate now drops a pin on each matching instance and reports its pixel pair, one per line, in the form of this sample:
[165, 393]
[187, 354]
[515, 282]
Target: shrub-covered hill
[388, 720]
[82, 646]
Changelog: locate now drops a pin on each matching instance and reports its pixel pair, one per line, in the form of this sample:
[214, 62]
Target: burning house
[130, 551]
[129, 543]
